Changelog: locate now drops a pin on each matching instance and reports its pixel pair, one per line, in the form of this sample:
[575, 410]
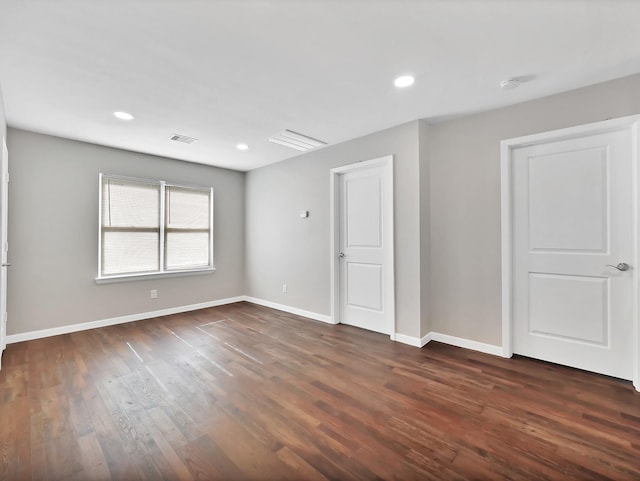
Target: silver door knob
[622, 266]
[341, 254]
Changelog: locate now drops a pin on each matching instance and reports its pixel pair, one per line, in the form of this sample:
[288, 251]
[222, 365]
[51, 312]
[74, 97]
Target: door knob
[341, 254]
[7, 264]
[622, 266]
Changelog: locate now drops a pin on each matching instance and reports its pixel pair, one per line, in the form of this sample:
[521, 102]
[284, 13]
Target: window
[153, 227]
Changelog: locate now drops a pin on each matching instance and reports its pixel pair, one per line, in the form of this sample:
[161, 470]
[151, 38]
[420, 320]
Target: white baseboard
[466, 343]
[290, 310]
[425, 339]
[410, 340]
[55, 331]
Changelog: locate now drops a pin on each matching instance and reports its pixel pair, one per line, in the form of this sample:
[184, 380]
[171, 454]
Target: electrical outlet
[284, 288]
[154, 293]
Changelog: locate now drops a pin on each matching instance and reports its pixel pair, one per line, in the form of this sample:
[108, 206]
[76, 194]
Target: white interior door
[4, 245]
[365, 245]
[573, 220]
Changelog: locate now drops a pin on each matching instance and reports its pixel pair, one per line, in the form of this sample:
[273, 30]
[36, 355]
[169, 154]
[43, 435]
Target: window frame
[162, 230]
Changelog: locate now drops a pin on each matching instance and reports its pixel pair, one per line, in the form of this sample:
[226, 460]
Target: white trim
[450, 340]
[292, 310]
[153, 275]
[402, 338]
[4, 243]
[635, 135]
[506, 149]
[162, 237]
[507, 247]
[55, 331]
[100, 222]
[410, 340]
[334, 234]
[467, 344]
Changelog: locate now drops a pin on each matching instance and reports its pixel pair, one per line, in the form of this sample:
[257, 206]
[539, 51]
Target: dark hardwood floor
[243, 392]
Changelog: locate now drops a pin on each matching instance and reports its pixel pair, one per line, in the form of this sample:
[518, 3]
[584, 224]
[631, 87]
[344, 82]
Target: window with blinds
[188, 228]
[153, 227]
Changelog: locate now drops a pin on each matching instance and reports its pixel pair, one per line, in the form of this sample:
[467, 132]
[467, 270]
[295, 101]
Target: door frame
[334, 230]
[4, 198]
[630, 123]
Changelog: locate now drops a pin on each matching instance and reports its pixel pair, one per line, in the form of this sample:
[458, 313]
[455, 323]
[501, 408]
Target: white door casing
[569, 209]
[4, 245]
[362, 267]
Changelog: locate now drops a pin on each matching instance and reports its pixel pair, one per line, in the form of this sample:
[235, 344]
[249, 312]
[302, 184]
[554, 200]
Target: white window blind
[188, 227]
[141, 234]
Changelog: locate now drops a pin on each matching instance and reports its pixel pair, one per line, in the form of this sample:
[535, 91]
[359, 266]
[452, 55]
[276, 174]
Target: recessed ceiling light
[242, 147]
[123, 115]
[404, 81]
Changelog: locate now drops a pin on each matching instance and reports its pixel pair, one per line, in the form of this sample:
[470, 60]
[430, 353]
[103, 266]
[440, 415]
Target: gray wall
[281, 247]
[447, 221]
[53, 234]
[3, 121]
[447, 184]
[465, 199]
[424, 158]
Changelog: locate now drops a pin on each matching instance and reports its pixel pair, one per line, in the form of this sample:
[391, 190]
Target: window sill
[153, 275]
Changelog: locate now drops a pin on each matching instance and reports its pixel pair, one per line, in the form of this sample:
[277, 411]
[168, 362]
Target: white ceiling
[227, 72]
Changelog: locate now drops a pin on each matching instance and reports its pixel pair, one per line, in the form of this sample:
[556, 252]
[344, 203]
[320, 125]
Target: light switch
[304, 213]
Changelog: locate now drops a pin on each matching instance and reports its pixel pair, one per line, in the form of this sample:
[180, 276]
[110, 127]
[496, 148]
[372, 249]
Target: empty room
[320, 240]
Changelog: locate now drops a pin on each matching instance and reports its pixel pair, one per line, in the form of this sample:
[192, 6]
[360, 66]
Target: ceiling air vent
[297, 141]
[183, 138]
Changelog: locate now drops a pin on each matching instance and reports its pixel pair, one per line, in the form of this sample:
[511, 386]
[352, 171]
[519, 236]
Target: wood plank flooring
[243, 392]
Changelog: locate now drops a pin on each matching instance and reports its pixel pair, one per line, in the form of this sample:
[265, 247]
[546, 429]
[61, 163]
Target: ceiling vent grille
[183, 138]
[297, 141]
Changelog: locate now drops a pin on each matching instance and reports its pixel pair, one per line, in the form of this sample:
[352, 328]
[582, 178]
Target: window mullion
[162, 234]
